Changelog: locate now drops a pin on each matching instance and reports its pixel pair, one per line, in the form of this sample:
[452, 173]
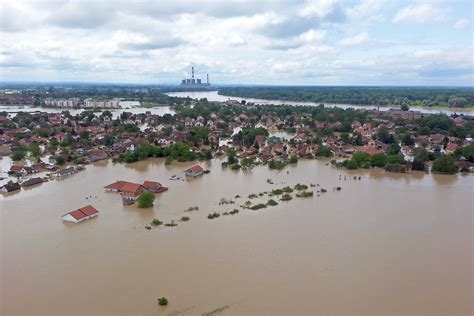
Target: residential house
[66, 172]
[23, 170]
[194, 171]
[155, 187]
[81, 214]
[32, 181]
[10, 187]
[97, 155]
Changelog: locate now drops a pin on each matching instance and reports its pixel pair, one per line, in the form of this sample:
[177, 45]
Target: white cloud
[427, 53]
[420, 13]
[462, 24]
[365, 8]
[358, 39]
[319, 8]
[264, 41]
[312, 36]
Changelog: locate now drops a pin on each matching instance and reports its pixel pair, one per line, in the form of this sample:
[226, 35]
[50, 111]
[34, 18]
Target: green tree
[351, 164]
[378, 160]
[384, 135]
[323, 151]
[34, 149]
[421, 154]
[466, 151]
[232, 156]
[146, 199]
[18, 155]
[60, 160]
[418, 165]
[408, 140]
[361, 158]
[444, 164]
[293, 160]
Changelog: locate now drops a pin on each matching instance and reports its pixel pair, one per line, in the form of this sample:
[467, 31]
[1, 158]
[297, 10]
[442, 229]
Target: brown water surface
[387, 244]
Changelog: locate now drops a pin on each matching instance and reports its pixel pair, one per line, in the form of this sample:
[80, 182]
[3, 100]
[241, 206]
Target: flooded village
[218, 158]
[235, 187]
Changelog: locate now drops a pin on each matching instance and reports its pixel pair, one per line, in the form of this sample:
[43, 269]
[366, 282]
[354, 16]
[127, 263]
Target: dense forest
[383, 96]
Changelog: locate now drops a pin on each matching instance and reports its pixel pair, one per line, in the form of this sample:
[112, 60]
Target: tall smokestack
[192, 72]
[207, 76]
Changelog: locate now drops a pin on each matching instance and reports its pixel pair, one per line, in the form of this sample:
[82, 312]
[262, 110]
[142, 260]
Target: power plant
[195, 83]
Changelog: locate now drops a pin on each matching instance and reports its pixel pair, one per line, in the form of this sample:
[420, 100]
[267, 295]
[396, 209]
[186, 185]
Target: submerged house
[130, 191]
[23, 170]
[155, 187]
[97, 155]
[194, 171]
[65, 172]
[115, 187]
[81, 214]
[32, 181]
[10, 187]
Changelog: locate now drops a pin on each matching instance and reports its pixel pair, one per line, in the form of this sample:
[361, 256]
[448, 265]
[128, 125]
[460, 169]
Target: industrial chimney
[192, 72]
[207, 77]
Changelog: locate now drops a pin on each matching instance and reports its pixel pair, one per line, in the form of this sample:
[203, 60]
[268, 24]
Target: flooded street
[387, 244]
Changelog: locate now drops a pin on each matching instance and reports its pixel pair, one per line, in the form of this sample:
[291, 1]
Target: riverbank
[214, 96]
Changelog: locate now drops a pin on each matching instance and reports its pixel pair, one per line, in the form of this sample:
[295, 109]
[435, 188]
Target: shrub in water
[300, 187]
[305, 194]
[213, 215]
[156, 222]
[272, 202]
[258, 206]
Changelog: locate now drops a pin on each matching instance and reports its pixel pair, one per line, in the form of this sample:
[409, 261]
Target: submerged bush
[286, 197]
[304, 194]
[213, 215]
[258, 206]
[171, 224]
[300, 187]
[162, 301]
[156, 222]
[272, 202]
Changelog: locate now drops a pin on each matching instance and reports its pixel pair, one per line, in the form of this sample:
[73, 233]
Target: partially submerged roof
[83, 212]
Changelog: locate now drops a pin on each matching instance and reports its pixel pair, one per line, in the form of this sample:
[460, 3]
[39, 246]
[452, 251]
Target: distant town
[245, 135]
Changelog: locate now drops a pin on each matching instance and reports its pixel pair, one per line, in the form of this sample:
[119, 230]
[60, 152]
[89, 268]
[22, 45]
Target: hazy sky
[318, 42]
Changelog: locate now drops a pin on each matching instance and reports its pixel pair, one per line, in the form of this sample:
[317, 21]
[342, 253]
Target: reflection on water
[405, 240]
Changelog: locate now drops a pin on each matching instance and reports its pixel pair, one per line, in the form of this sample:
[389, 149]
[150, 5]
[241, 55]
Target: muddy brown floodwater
[388, 244]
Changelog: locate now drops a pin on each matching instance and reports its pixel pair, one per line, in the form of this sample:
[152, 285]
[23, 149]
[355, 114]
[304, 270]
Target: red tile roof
[77, 214]
[131, 187]
[88, 210]
[196, 169]
[371, 150]
[151, 185]
[115, 186]
[83, 212]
